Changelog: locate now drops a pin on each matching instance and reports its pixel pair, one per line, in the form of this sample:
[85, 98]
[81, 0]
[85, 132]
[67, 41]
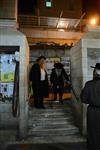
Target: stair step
[51, 108]
[56, 119]
[51, 125]
[43, 123]
[53, 132]
[57, 139]
[50, 113]
[52, 117]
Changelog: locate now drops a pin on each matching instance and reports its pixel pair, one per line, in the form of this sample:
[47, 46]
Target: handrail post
[38, 15]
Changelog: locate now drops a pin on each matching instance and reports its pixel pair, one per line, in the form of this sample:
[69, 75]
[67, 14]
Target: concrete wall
[70, 8]
[50, 52]
[12, 37]
[76, 81]
[8, 9]
[50, 34]
[84, 54]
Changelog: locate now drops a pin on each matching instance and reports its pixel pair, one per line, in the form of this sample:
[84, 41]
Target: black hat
[97, 66]
[41, 57]
[58, 65]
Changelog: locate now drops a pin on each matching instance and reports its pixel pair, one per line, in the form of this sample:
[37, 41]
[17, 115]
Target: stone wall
[10, 38]
[84, 54]
[8, 9]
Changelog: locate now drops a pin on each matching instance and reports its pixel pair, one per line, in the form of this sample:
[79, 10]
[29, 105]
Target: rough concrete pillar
[8, 9]
[10, 36]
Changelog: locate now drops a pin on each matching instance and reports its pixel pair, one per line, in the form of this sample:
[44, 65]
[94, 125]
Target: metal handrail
[15, 101]
[48, 22]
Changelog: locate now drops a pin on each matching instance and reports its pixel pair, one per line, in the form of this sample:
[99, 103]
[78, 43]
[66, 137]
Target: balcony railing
[28, 21]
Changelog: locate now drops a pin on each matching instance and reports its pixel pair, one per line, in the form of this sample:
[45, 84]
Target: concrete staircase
[50, 128]
[55, 124]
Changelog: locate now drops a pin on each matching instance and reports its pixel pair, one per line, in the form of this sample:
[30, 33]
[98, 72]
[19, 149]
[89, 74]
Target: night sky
[90, 7]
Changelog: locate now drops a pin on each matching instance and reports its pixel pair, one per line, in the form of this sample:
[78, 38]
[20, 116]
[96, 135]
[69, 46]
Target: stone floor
[58, 146]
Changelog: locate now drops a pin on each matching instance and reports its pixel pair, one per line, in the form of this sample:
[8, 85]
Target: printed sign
[7, 71]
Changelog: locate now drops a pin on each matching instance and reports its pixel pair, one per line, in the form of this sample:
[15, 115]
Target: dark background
[90, 7]
[26, 6]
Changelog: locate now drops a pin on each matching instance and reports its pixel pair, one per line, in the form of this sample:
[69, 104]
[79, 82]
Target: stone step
[48, 122]
[53, 132]
[56, 139]
[47, 146]
[51, 109]
[51, 117]
[59, 112]
[49, 113]
[54, 119]
[52, 127]
[53, 124]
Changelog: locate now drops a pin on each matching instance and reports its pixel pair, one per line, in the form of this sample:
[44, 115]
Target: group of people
[90, 95]
[40, 85]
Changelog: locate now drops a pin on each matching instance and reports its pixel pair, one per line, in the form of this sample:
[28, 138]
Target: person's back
[91, 95]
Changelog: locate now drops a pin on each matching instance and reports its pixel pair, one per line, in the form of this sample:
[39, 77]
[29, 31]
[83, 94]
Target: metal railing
[29, 21]
[15, 101]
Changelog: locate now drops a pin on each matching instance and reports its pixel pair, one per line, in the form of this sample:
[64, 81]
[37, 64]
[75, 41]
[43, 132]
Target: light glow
[61, 24]
[93, 21]
[61, 30]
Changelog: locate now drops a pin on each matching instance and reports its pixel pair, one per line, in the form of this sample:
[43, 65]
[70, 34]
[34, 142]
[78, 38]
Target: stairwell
[51, 128]
[55, 124]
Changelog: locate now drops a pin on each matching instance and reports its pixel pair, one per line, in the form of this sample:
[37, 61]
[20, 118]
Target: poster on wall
[50, 64]
[66, 62]
[7, 71]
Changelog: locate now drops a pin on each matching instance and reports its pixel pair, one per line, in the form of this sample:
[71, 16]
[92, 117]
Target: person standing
[57, 79]
[39, 79]
[90, 95]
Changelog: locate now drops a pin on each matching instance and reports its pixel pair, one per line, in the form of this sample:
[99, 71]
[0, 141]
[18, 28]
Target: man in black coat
[40, 87]
[91, 95]
[57, 79]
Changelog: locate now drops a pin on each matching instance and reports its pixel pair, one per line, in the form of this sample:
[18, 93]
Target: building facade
[53, 8]
[8, 9]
